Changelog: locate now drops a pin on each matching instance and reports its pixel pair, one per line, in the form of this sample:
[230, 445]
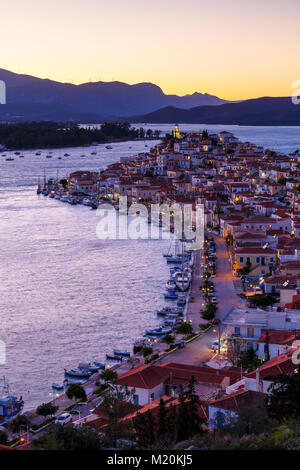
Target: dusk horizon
[149, 230]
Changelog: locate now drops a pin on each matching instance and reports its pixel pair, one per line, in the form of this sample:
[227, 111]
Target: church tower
[176, 132]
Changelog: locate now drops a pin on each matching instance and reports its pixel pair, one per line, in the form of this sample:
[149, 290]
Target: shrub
[46, 409]
[184, 329]
[76, 391]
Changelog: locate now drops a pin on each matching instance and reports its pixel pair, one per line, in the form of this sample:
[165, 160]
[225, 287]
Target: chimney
[257, 379]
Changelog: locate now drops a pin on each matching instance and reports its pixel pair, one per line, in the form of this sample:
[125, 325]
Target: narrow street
[199, 350]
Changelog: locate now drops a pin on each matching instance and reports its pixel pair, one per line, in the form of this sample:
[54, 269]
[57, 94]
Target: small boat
[94, 153]
[17, 153]
[38, 191]
[48, 156]
[82, 156]
[9, 159]
[64, 199]
[58, 158]
[119, 352]
[114, 357]
[52, 195]
[86, 366]
[58, 387]
[99, 365]
[160, 331]
[66, 154]
[171, 285]
[72, 201]
[169, 311]
[108, 147]
[21, 156]
[171, 295]
[38, 153]
[77, 373]
[10, 406]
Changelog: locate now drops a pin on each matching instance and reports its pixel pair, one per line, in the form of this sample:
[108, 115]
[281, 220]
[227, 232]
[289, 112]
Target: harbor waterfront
[73, 297]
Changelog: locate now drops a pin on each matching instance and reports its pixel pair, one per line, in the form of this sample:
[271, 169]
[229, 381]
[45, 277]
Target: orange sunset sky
[235, 49]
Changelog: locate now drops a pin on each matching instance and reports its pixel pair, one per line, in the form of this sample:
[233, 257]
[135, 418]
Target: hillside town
[240, 329]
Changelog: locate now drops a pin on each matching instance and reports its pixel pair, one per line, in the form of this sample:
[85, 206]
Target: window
[249, 346]
[271, 260]
[250, 332]
[257, 259]
[241, 259]
[237, 330]
[248, 261]
[136, 399]
[152, 396]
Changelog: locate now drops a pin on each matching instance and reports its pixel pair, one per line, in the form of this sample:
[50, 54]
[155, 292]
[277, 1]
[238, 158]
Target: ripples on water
[66, 296]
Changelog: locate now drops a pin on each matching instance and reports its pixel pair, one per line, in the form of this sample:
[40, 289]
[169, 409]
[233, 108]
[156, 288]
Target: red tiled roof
[281, 364]
[144, 376]
[238, 399]
[282, 337]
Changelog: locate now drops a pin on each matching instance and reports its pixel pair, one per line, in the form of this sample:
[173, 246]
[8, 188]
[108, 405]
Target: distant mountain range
[258, 112]
[32, 98]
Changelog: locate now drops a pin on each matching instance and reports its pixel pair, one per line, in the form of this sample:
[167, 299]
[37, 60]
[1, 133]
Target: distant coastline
[42, 135]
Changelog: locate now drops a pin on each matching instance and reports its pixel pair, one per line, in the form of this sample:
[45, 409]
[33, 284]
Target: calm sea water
[66, 296]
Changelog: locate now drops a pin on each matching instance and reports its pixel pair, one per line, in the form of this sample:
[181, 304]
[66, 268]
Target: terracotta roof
[258, 250]
[238, 399]
[144, 376]
[281, 337]
[281, 364]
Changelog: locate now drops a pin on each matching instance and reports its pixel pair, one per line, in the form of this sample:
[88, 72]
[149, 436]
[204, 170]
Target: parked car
[64, 418]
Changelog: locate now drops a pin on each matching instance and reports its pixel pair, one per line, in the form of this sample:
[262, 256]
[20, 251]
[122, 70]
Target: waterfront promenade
[198, 351]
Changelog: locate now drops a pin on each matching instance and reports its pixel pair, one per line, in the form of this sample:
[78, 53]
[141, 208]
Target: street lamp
[218, 323]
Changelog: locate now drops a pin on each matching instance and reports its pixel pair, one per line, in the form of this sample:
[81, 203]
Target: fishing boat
[77, 373]
[99, 365]
[114, 357]
[169, 311]
[182, 281]
[86, 366]
[160, 331]
[72, 201]
[58, 387]
[10, 406]
[120, 352]
[171, 285]
[171, 295]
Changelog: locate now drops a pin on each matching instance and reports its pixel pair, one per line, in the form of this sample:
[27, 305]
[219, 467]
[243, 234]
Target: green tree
[146, 351]
[162, 420]
[76, 391]
[3, 438]
[46, 409]
[249, 360]
[185, 329]
[17, 423]
[168, 339]
[284, 398]
[118, 403]
[145, 428]
[69, 438]
[109, 375]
